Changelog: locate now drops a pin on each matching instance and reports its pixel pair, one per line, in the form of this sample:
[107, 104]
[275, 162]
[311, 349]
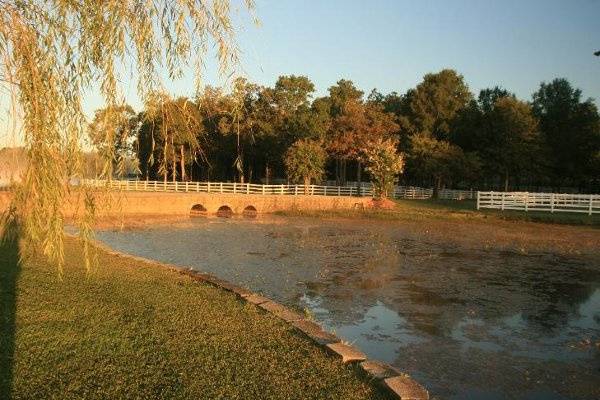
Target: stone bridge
[164, 204]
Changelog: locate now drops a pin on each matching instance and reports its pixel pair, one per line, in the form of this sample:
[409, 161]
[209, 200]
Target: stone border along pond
[397, 383]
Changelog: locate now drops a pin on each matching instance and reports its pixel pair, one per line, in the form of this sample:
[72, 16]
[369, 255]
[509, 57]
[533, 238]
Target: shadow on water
[10, 268]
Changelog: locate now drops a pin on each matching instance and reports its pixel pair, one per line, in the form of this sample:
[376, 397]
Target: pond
[477, 312]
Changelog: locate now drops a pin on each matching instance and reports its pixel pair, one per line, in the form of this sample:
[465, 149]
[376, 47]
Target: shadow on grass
[10, 268]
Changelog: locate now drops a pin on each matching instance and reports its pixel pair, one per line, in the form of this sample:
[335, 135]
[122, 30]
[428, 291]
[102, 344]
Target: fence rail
[231, 187]
[549, 202]
[365, 190]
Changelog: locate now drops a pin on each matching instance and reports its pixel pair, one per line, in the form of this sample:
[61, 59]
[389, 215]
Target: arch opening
[250, 212]
[198, 210]
[225, 212]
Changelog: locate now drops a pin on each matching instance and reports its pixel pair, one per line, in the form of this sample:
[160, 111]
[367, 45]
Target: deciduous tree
[305, 161]
[384, 163]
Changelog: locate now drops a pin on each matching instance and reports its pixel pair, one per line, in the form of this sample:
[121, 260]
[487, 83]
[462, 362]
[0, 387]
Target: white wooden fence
[550, 202]
[230, 187]
[453, 194]
[366, 190]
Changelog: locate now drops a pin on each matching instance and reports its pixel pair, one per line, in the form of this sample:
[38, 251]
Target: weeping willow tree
[53, 52]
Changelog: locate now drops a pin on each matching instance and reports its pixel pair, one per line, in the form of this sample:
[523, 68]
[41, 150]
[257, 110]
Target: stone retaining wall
[397, 383]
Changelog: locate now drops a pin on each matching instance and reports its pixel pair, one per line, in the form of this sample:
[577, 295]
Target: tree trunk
[306, 185]
[173, 161]
[165, 165]
[506, 181]
[174, 166]
[337, 171]
[436, 187]
[182, 162]
[267, 174]
[344, 176]
[358, 178]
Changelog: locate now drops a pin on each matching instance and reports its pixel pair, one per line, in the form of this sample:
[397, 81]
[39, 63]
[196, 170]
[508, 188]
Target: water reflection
[467, 318]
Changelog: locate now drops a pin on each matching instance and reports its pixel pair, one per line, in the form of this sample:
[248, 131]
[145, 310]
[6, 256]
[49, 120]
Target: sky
[391, 44]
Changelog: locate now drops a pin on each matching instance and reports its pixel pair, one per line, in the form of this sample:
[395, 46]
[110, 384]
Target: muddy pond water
[478, 312]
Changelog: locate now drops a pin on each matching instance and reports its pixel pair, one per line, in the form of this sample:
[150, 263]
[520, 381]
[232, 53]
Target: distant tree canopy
[447, 136]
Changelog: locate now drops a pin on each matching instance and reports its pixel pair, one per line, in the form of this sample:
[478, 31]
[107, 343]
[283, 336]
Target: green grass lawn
[130, 330]
[450, 209]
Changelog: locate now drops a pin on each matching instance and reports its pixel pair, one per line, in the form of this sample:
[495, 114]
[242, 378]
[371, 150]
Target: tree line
[439, 134]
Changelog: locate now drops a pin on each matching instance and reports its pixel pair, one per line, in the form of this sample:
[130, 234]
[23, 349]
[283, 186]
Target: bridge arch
[250, 212]
[225, 212]
[198, 210]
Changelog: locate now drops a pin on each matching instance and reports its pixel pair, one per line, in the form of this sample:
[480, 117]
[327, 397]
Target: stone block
[378, 370]
[346, 352]
[223, 284]
[406, 388]
[281, 311]
[315, 332]
[255, 299]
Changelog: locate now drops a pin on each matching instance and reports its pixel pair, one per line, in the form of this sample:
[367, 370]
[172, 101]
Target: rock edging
[391, 379]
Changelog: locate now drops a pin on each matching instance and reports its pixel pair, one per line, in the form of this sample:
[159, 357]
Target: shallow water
[467, 317]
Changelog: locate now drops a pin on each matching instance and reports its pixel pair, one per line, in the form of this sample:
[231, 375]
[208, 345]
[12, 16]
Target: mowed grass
[450, 209]
[130, 330]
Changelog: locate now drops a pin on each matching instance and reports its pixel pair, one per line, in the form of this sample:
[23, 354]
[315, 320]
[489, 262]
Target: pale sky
[391, 44]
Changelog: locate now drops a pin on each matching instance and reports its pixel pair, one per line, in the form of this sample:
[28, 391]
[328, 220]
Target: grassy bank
[450, 210]
[131, 330]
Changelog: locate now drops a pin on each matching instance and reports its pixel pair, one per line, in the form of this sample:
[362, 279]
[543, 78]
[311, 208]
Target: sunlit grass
[449, 210]
[131, 330]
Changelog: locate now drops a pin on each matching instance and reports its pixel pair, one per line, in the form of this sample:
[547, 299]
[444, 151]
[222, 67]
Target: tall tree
[356, 127]
[436, 102]
[437, 161]
[239, 120]
[173, 129]
[112, 132]
[341, 93]
[384, 163]
[512, 138]
[305, 161]
[571, 129]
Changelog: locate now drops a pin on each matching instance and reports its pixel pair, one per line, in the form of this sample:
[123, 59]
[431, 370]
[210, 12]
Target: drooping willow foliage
[53, 52]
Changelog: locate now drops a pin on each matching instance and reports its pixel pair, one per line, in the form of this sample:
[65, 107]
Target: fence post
[208, 187]
[263, 190]
[502, 201]
[551, 202]
[234, 186]
[325, 192]
[187, 186]
[197, 186]
[478, 200]
[247, 188]
[339, 190]
[145, 185]
[526, 201]
[176, 187]
[591, 202]
[221, 187]
[282, 189]
[135, 185]
[295, 190]
[155, 186]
